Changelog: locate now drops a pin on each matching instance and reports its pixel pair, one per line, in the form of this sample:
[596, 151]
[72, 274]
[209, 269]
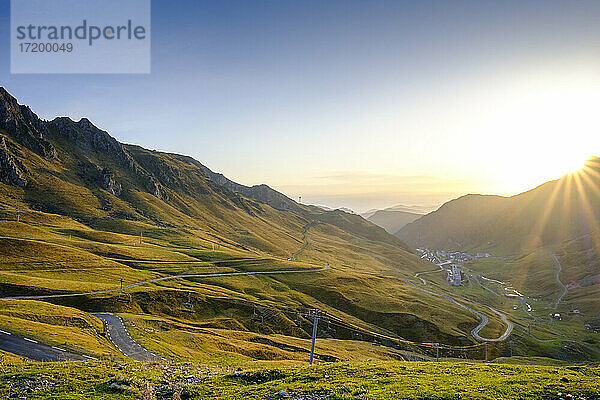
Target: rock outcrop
[109, 183]
[10, 169]
[86, 135]
[24, 126]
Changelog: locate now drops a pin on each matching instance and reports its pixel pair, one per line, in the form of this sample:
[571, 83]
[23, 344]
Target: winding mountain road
[423, 281]
[562, 285]
[116, 330]
[164, 278]
[484, 320]
[304, 244]
[323, 267]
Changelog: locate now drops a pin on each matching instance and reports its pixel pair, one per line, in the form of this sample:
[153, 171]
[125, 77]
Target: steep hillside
[347, 221]
[75, 169]
[547, 215]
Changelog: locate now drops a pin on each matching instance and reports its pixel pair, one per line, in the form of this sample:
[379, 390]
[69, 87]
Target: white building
[455, 275]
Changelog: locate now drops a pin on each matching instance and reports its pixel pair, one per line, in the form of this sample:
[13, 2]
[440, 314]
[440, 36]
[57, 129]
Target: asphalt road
[484, 320]
[562, 285]
[164, 278]
[296, 254]
[116, 330]
[36, 351]
[119, 336]
[423, 281]
[211, 275]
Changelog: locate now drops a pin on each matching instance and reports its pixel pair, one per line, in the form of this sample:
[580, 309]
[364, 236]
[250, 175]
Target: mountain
[79, 170]
[92, 211]
[547, 215]
[414, 209]
[81, 213]
[392, 221]
[344, 209]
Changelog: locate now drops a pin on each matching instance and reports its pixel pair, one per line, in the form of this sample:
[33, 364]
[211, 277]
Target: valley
[111, 253]
[300, 200]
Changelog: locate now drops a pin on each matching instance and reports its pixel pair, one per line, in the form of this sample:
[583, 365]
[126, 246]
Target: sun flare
[572, 163]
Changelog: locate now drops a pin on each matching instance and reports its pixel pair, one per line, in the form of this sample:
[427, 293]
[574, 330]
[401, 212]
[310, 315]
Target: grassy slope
[534, 275]
[374, 380]
[363, 286]
[90, 259]
[56, 325]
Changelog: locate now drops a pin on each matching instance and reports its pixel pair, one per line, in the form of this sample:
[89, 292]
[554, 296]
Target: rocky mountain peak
[24, 126]
[86, 134]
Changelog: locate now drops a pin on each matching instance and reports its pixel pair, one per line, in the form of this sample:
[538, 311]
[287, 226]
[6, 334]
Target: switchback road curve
[484, 320]
[117, 333]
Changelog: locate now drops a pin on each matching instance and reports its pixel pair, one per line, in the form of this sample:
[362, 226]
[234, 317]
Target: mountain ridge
[125, 171]
[545, 215]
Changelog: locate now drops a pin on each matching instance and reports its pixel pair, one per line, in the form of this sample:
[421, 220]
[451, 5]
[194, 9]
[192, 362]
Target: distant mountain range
[559, 210]
[414, 209]
[392, 219]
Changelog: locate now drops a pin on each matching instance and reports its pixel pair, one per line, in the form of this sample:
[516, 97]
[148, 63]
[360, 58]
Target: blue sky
[353, 103]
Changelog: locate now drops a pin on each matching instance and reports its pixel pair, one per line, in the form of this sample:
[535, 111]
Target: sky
[358, 104]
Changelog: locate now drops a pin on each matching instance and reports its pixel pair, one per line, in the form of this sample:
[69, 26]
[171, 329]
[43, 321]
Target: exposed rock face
[155, 189]
[24, 126]
[108, 182]
[86, 135]
[10, 169]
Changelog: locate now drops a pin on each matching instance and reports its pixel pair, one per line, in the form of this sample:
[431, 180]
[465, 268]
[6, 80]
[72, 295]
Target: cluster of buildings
[455, 275]
[451, 261]
[441, 257]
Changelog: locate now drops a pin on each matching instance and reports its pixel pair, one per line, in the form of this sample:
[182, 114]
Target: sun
[524, 171]
[572, 162]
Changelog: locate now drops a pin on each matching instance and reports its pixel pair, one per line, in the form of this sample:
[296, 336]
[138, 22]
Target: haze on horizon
[354, 104]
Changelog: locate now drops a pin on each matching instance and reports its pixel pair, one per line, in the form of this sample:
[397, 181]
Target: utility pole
[121, 284]
[486, 351]
[316, 314]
